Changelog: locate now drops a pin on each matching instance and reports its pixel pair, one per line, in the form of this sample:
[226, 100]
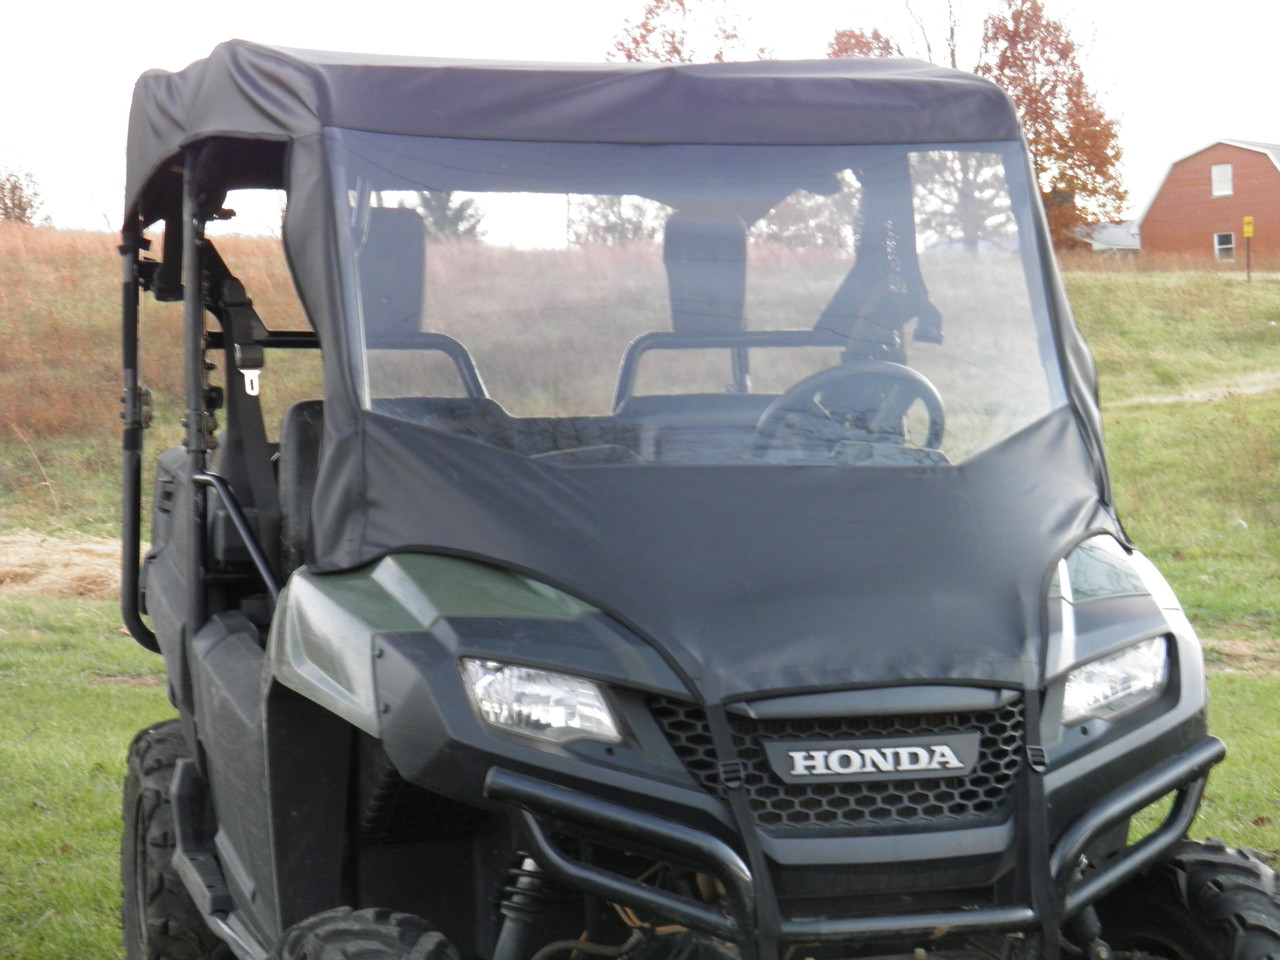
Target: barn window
[1220, 180]
[1224, 245]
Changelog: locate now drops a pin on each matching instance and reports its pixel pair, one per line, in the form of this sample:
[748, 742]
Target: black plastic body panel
[163, 582]
[227, 661]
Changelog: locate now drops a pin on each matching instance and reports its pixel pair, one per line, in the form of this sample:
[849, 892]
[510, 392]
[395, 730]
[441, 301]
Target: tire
[346, 934]
[1205, 901]
[160, 920]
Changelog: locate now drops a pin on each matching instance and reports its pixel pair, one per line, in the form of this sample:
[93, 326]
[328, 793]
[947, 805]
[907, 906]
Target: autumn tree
[682, 31]
[19, 197]
[1074, 144]
[858, 43]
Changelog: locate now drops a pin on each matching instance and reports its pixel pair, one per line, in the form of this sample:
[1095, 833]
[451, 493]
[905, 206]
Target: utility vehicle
[700, 546]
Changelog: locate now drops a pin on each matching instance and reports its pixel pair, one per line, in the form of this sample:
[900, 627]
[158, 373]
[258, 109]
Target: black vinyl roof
[272, 95]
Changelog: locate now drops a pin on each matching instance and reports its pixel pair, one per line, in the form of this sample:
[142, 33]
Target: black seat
[301, 443]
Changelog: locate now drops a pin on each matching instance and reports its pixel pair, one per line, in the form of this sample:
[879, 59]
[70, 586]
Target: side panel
[163, 585]
[227, 660]
[278, 767]
[309, 754]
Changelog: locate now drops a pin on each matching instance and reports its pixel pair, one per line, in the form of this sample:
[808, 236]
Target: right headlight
[1119, 683]
[541, 704]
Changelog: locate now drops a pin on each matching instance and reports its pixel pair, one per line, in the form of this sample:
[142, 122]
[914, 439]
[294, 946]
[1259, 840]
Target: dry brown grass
[74, 566]
[1088, 261]
[60, 374]
[1237, 649]
[58, 339]
[60, 328]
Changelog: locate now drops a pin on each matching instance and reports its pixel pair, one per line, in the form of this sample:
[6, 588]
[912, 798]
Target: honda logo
[843, 761]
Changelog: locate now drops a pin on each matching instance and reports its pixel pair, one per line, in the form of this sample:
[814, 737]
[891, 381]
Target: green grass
[73, 691]
[1242, 804]
[1163, 333]
[1195, 481]
[1195, 485]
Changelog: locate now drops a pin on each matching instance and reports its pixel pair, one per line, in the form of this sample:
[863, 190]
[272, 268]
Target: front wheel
[160, 920]
[1204, 901]
[346, 934]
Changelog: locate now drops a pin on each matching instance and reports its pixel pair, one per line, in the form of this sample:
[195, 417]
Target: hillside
[1189, 371]
[1189, 368]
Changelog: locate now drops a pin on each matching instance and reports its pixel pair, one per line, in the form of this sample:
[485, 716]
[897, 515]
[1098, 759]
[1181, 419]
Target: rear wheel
[160, 919]
[1205, 901]
[346, 934]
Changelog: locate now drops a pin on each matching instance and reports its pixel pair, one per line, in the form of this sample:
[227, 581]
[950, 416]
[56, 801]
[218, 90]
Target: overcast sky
[1176, 80]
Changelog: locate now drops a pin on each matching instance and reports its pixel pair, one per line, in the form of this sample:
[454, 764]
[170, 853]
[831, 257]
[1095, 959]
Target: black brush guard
[544, 808]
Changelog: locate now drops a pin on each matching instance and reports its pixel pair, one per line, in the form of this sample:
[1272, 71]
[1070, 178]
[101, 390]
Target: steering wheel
[858, 400]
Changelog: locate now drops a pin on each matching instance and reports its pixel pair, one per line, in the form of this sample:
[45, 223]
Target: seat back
[706, 262]
[301, 443]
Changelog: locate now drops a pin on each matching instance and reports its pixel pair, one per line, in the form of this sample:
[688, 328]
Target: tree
[682, 31]
[614, 221]
[960, 196]
[444, 217]
[19, 198]
[858, 43]
[1074, 144]
[809, 220]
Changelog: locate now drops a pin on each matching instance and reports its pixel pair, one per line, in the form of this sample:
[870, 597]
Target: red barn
[1199, 212]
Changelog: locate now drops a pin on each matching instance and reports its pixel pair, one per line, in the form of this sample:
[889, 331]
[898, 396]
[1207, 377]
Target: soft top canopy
[755, 576]
[248, 91]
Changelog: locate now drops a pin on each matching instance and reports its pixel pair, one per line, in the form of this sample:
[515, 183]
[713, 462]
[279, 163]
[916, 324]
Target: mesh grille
[981, 798]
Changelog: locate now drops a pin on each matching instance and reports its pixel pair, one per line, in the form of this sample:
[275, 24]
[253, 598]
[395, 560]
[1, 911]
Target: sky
[1176, 78]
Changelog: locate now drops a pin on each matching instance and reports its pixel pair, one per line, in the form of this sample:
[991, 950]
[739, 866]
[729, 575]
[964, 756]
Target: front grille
[983, 797]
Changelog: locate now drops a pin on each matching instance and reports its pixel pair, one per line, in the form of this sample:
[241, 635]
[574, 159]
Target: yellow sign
[1248, 226]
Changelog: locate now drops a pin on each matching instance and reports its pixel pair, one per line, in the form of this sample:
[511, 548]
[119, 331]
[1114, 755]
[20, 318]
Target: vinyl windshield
[592, 304]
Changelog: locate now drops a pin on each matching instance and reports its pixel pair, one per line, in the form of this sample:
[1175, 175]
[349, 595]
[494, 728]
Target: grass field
[1190, 381]
[73, 691]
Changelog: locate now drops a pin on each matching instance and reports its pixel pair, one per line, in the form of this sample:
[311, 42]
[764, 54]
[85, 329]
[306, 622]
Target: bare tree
[19, 197]
[875, 43]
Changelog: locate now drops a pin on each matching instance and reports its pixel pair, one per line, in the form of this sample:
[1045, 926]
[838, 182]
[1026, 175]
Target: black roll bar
[134, 413]
[195, 376]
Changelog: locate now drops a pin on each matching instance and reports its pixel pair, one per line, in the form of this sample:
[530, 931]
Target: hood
[756, 580]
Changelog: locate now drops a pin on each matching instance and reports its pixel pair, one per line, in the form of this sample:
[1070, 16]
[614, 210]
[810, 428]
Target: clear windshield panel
[589, 304]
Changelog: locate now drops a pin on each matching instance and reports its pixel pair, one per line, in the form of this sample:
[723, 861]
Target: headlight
[538, 703]
[1116, 684]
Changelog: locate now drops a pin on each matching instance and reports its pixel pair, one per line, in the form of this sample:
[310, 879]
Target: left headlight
[554, 707]
[1116, 684]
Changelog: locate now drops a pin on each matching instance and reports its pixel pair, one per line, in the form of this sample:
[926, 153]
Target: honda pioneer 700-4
[698, 544]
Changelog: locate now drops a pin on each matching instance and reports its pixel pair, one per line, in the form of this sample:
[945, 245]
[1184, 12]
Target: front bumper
[545, 810]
